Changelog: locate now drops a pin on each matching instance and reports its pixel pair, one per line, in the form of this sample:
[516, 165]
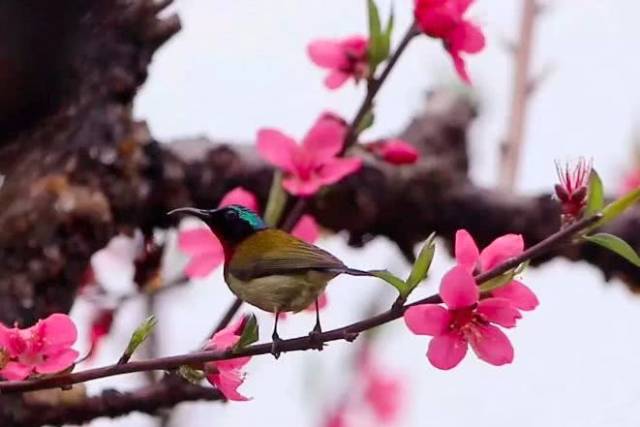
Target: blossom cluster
[466, 319]
[44, 348]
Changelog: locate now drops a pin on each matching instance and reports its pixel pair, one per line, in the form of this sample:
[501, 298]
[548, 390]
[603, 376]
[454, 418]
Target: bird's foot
[276, 345]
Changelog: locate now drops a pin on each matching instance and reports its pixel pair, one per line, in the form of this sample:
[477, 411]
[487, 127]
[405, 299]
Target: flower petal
[325, 139]
[336, 79]
[231, 364]
[466, 250]
[198, 241]
[333, 171]
[437, 19]
[460, 66]
[277, 148]
[355, 47]
[202, 265]
[446, 351]
[491, 345]
[225, 338]
[327, 54]
[5, 336]
[500, 250]
[294, 185]
[228, 382]
[242, 197]
[458, 289]
[427, 319]
[463, 5]
[57, 362]
[520, 295]
[14, 371]
[59, 332]
[466, 37]
[499, 311]
[306, 229]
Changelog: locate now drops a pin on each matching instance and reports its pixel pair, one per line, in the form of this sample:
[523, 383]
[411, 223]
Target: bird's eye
[231, 215]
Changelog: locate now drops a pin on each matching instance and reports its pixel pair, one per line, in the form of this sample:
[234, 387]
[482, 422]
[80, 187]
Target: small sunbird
[267, 267]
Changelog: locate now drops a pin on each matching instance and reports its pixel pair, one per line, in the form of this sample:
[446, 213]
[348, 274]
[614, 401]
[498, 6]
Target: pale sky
[241, 65]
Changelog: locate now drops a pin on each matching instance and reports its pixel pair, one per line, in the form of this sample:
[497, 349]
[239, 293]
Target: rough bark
[78, 169]
[151, 399]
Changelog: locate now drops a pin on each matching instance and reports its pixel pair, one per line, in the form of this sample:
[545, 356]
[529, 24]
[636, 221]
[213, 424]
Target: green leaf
[617, 207]
[379, 41]
[277, 201]
[393, 280]
[139, 336]
[366, 122]
[498, 282]
[250, 333]
[193, 375]
[616, 245]
[595, 202]
[388, 33]
[423, 262]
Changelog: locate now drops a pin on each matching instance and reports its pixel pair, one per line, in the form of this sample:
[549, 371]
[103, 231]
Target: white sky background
[240, 65]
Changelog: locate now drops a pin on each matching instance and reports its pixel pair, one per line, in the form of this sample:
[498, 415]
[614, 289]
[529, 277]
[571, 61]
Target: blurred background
[238, 66]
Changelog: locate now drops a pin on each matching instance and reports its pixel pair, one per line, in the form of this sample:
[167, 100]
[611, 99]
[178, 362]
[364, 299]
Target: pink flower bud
[395, 151]
[572, 191]
[345, 59]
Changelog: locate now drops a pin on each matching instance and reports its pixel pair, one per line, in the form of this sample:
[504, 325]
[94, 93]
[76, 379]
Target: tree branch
[349, 332]
[522, 89]
[111, 403]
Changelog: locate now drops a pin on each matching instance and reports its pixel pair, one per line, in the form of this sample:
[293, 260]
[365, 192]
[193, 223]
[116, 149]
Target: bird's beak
[199, 213]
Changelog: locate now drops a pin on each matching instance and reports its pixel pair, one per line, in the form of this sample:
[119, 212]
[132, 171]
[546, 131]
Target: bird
[268, 267]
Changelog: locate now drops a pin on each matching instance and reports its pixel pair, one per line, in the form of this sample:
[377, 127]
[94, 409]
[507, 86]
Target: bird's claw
[275, 346]
[315, 339]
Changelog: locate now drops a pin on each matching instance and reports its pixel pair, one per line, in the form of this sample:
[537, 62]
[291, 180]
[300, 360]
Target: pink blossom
[226, 375]
[306, 229]
[573, 187]
[500, 250]
[465, 321]
[444, 19]
[395, 151]
[314, 163]
[203, 246]
[630, 181]
[384, 392]
[343, 58]
[44, 348]
[337, 418]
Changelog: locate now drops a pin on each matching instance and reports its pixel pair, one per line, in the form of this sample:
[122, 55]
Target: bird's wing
[273, 252]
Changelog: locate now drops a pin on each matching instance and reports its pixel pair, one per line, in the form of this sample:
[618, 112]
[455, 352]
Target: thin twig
[306, 342]
[373, 87]
[514, 140]
[375, 84]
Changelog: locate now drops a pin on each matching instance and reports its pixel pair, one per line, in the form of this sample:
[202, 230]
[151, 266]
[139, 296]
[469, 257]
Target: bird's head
[231, 224]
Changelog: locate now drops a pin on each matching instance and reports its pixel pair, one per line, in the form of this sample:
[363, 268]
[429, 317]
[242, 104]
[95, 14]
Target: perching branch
[308, 342]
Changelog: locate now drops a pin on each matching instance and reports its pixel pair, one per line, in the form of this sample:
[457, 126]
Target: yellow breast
[280, 293]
